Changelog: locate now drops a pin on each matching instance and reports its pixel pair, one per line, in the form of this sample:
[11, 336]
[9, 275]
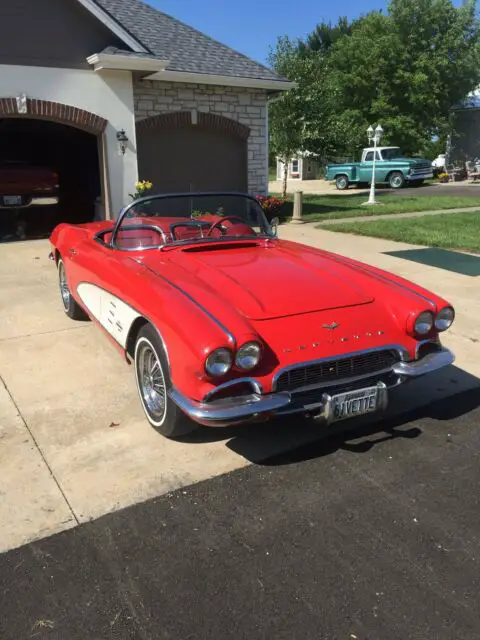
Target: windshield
[390, 154]
[167, 220]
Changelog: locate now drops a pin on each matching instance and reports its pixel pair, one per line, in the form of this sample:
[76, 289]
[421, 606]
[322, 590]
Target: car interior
[138, 233]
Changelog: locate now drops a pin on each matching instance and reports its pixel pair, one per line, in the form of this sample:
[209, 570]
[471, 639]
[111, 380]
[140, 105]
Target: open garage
[43, 162]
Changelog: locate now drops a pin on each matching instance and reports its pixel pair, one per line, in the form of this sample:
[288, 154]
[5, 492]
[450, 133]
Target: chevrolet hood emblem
[331, 325]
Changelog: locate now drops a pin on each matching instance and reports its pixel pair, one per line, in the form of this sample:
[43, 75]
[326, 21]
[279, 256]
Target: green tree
[305, 117]
[325, 35]
[407, 69]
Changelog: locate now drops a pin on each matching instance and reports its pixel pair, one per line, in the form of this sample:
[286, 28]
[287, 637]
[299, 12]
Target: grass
[334, 207]
[448, 231]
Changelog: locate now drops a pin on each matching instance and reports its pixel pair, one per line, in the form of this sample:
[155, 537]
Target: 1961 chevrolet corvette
[225, 323]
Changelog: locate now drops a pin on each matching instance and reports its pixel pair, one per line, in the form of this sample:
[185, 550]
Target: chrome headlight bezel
[443, 323]
[424, 323]
[219, 362]
[248, 355]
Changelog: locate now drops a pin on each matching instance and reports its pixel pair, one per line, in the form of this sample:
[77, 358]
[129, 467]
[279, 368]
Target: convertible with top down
[226, 324]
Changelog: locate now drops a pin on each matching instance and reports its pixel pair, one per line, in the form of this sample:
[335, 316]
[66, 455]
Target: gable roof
[186, 49]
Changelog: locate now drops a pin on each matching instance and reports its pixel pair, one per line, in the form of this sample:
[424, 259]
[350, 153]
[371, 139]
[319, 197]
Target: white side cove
[112, 313]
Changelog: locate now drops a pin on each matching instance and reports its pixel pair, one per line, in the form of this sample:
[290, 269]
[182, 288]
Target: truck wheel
[341, 182]
[396, 180]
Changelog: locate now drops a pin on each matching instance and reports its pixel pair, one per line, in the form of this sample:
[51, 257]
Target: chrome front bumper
[419, 176]
[257, 407]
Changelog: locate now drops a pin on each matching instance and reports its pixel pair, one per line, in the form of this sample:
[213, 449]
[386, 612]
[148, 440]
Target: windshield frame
[269, 234]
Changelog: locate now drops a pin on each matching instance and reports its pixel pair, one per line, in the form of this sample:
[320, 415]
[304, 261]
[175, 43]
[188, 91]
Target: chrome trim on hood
[229, 334]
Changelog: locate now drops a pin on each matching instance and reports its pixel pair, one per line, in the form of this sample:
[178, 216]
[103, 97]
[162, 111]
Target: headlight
[219, 362]
[424, 323]
[248, 356]
[445, 318]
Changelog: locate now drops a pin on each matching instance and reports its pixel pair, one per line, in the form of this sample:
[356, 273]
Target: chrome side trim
[140, 315]
[429, 363]
[404, 355]
[230, 336]
[256, 387]
[231, 411]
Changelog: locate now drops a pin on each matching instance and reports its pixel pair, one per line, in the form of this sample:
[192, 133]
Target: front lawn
[448, 230]
[333, 207]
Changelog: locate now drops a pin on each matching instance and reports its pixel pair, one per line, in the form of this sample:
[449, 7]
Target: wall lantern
[122, 142]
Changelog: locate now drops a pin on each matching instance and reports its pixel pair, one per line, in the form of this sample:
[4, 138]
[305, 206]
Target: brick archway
[205, 121]
[54, 112]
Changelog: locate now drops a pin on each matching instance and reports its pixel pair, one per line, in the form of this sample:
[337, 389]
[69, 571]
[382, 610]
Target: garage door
[186, 157]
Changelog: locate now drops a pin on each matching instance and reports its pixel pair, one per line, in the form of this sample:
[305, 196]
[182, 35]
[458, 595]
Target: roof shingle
[187, 49]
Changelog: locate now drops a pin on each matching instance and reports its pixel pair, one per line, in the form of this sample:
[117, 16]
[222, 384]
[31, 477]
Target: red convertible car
[225, 323]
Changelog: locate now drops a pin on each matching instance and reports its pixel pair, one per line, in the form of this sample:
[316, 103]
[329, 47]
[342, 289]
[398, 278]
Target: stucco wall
[248, 106]
[107, 94]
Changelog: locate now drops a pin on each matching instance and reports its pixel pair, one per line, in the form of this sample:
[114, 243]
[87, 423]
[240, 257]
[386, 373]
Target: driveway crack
[54, 478]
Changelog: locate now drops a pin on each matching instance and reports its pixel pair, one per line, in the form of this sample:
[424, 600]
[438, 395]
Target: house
[110, 91]
[303, 166]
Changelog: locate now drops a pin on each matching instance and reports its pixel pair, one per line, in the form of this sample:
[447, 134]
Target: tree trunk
[285, 176]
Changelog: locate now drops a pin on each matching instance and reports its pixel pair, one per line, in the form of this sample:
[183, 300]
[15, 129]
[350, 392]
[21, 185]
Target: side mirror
[274, 225]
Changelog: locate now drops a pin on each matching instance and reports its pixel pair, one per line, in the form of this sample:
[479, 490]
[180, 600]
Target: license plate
[12, 201]
[354, 403]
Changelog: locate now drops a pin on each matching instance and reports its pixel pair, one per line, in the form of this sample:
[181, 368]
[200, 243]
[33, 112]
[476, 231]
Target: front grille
[422, 168]
[329, 371]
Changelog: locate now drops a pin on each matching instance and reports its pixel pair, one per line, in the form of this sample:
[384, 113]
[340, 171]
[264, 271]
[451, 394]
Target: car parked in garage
[226, 323]
[24, 185]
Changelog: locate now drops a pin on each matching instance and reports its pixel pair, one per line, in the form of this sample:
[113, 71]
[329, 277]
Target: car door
[366, 167]
[102, 279]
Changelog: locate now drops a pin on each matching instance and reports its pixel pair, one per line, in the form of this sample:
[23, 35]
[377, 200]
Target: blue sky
[251, 26]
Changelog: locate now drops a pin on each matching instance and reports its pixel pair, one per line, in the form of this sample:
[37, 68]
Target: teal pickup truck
[391, 168]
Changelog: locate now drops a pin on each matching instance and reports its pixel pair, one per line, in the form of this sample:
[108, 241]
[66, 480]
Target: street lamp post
[374, 136]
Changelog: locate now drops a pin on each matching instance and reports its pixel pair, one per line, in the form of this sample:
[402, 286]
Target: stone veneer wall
[248, 106]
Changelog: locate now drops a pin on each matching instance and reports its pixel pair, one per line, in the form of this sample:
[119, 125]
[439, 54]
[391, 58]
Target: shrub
[270, 205]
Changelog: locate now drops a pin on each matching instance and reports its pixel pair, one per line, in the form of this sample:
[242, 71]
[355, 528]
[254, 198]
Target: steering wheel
[222, 219]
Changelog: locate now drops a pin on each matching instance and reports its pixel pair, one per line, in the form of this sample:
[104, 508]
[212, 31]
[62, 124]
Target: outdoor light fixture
[122, 142]
[375, 136]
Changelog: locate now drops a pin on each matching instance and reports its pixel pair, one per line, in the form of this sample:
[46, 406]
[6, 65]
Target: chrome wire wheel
[151, 381]
[64, 290]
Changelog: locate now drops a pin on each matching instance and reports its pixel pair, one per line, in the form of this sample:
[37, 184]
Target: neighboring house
[465, 144]
[192, 112]
[303, 166]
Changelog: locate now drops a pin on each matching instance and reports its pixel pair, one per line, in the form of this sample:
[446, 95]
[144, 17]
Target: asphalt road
[375, 537]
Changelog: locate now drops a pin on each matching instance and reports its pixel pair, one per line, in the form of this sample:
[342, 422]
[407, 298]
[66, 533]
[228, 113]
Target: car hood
[262, 282]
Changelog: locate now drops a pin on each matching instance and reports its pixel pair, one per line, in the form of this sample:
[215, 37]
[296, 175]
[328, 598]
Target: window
[369, 156]
[295, 166]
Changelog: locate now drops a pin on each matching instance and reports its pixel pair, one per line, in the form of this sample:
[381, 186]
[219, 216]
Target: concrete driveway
[74, 441]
